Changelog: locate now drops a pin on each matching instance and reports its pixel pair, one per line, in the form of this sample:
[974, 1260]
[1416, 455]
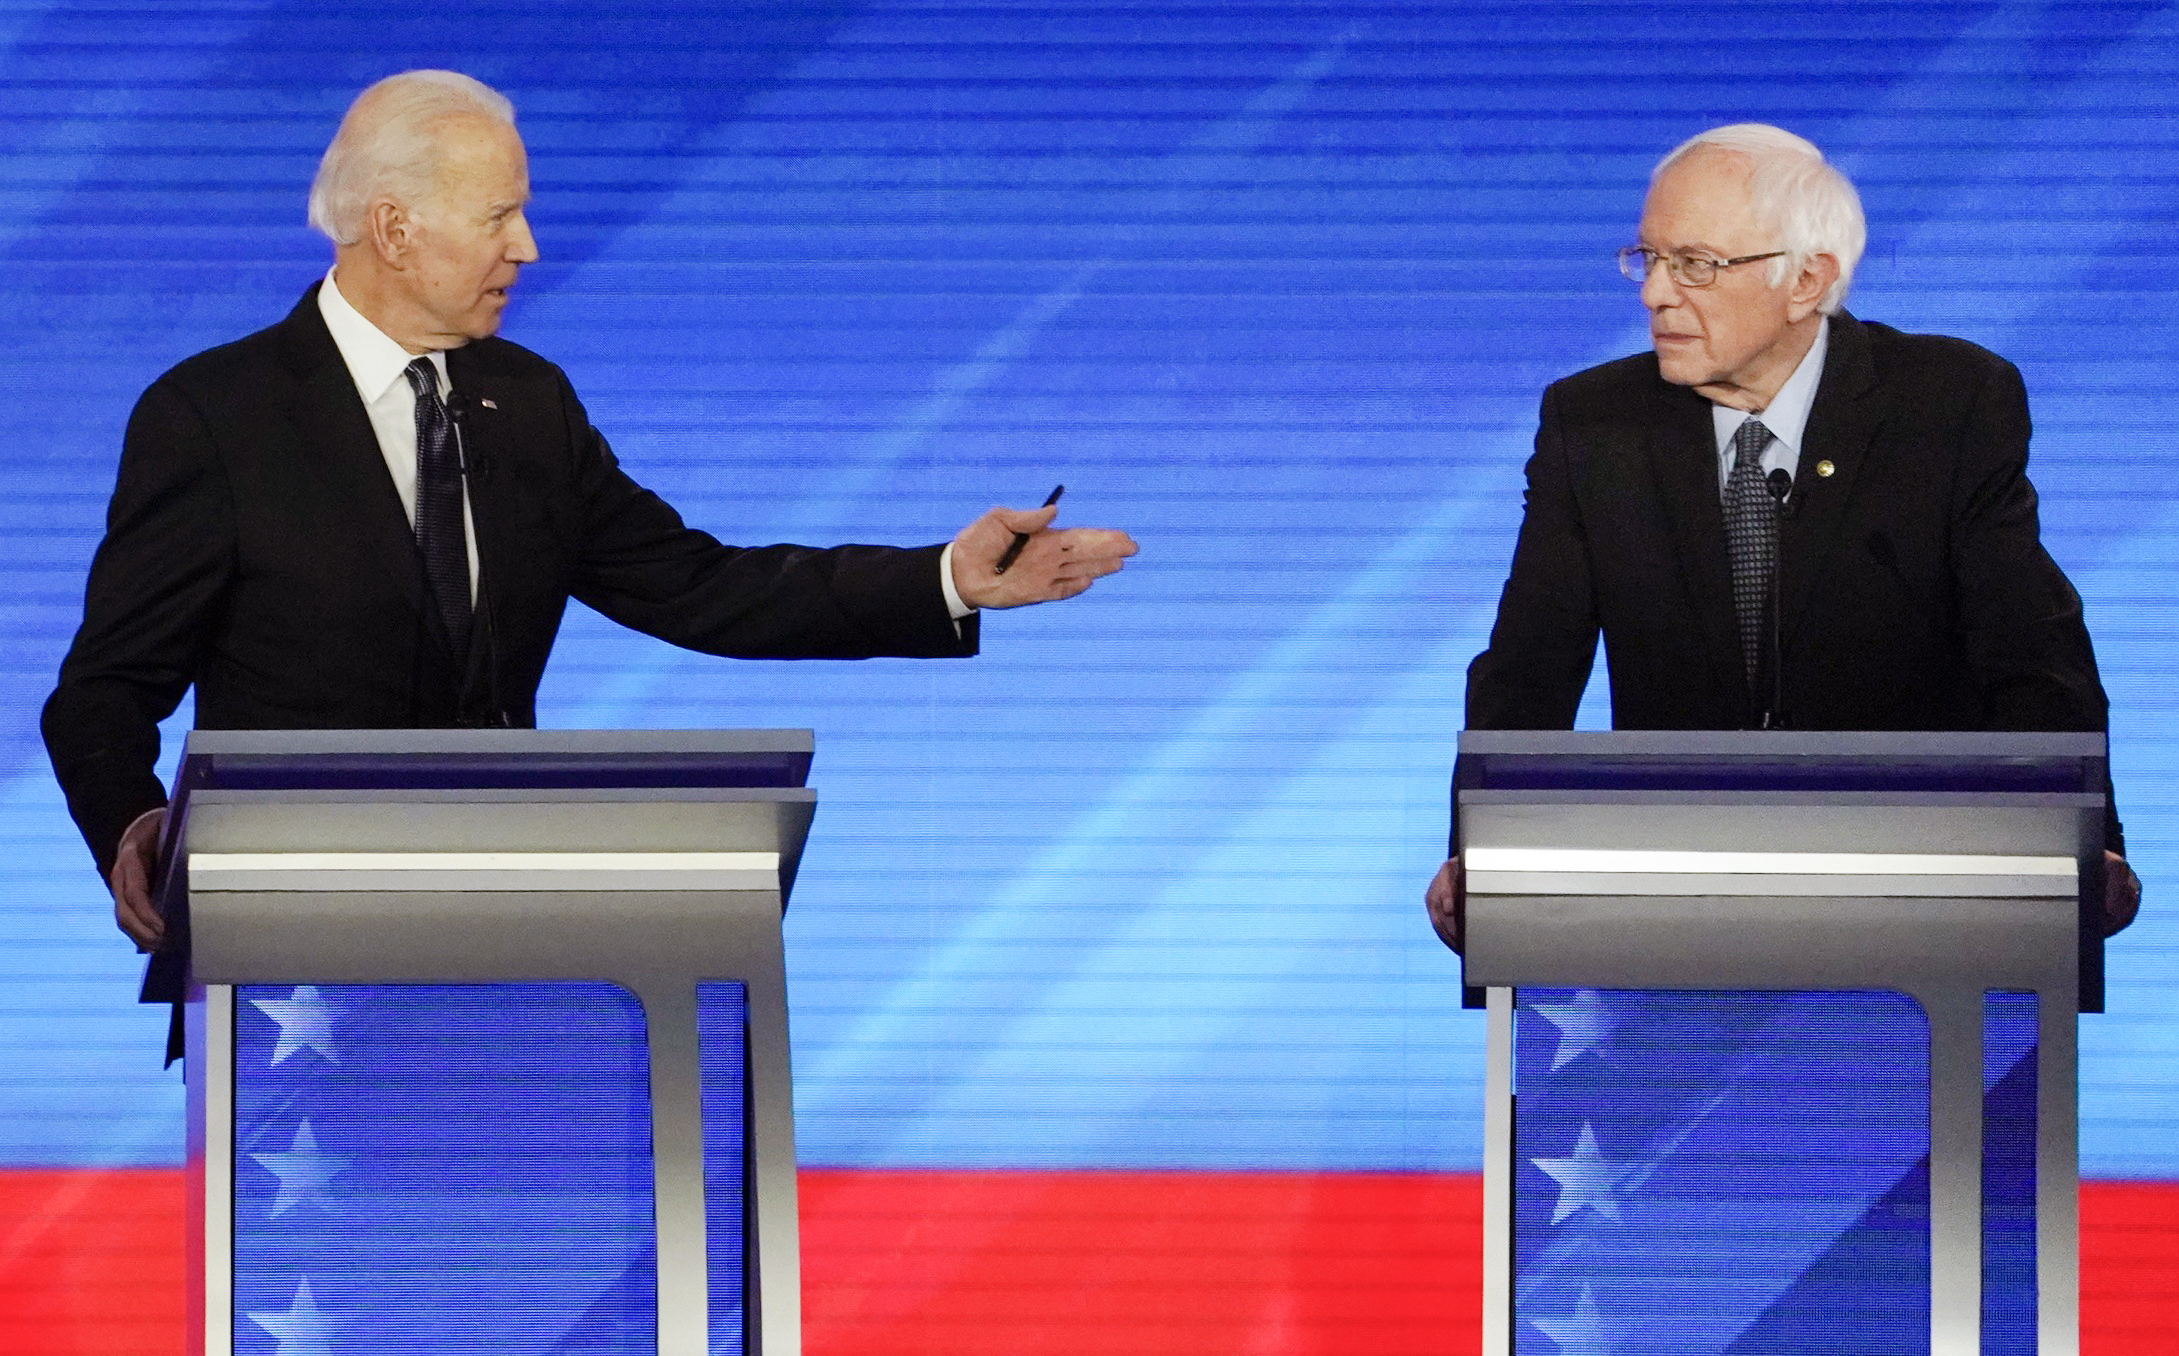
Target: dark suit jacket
[1915, 590]
[255, 548]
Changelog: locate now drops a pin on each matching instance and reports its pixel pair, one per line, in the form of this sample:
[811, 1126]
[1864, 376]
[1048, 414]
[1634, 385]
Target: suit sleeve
[1543, 643]
[640, 565]
[2021, 629]
[154, 589]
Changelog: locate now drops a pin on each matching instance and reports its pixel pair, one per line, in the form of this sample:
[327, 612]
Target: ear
[1806, 290]
[389, 232]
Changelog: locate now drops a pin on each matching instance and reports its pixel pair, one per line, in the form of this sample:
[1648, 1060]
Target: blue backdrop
[1273, 286]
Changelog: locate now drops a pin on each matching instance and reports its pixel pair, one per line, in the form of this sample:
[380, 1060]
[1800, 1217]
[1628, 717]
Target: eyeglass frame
[1674, 263]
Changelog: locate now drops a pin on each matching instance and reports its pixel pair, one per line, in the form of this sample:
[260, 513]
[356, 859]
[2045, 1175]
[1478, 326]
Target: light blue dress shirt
[1786, 416]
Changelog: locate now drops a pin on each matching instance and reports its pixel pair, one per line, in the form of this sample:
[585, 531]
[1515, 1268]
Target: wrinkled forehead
[1703, 197]
[472, 139]
[480, 158]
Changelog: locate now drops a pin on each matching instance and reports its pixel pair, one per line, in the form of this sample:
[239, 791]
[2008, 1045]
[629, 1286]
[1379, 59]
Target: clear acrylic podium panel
[466, 1169]
[1744, 1173]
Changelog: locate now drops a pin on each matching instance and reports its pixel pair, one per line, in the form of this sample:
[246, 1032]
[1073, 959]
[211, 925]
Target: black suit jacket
[255, 547]
[1915, 590]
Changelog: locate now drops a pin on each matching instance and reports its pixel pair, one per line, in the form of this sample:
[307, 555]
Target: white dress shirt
[1786, 416]
[376, 364]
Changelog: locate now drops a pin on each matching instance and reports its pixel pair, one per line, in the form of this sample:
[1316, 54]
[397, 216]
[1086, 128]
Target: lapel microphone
[457, 414]
[1780, 485]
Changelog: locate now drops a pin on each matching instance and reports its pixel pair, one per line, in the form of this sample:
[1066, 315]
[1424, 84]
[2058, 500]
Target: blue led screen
[1273, 286]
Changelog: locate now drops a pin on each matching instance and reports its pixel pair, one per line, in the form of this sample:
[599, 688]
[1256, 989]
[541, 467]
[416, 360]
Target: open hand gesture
[1056, 563]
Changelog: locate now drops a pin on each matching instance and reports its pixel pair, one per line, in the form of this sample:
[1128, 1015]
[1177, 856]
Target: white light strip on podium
[1678, 863]
[392, 871]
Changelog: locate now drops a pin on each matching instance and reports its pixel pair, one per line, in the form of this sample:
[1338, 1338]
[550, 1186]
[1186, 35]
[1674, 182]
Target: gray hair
[1798, 194]
[387, 145]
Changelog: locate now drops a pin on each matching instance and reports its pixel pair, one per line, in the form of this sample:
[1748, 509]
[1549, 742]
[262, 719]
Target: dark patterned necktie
[1751, 535]
[439, 535]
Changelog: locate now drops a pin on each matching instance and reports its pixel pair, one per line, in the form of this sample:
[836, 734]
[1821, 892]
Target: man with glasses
[1782, 516]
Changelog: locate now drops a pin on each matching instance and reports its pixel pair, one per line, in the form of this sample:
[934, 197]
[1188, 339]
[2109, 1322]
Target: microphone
[1780, 485]
[457, 414]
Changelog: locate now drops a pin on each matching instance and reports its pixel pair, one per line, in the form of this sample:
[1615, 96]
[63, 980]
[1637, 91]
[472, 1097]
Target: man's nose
[521, 245]
[1660, 289]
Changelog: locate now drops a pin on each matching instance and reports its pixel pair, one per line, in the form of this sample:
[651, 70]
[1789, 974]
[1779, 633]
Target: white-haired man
[373, 514]
[1877, 479]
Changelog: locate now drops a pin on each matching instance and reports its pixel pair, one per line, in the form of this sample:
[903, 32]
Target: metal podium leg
[1955, 1171]
[677, 1166]
[209, 1070]
[774, 1305]
[1498, 1173]
[2057, 1176]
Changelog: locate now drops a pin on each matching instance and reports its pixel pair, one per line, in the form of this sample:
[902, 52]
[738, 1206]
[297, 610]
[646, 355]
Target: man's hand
[1447, 900]
[2121, 893]
[1055, 564]
[135, 865]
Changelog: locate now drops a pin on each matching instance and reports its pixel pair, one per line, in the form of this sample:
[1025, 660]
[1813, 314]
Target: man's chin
[1681, 369]
[484, 321]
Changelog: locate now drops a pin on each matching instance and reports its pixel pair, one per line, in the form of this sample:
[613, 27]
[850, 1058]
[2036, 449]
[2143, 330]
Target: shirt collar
[1787, 414]
[375, 362]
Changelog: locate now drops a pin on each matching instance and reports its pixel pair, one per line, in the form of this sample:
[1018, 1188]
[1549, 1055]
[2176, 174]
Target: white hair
[388, 145]
[1797, 193]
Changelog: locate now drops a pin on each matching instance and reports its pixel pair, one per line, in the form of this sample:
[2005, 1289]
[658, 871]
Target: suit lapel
[1683, 457]
[1842, 427]
[334, 433]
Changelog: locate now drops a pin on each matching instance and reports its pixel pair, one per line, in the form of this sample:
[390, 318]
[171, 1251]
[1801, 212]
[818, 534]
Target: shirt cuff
[954, 606]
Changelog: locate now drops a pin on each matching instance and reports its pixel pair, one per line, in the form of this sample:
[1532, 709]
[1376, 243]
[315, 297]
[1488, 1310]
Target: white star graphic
[306, 1022]
[1586, 1179]
[1580, 1333]
[1584, 1026]
[302, 1330]
[304, 1172]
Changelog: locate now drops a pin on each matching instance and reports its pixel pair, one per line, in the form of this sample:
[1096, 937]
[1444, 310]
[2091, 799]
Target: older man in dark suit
[373, 514]
[1782, 515]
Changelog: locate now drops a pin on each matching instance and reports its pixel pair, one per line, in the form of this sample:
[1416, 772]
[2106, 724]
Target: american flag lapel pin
[488, 403]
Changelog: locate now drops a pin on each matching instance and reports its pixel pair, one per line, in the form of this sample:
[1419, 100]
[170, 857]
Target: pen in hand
[1021, 539]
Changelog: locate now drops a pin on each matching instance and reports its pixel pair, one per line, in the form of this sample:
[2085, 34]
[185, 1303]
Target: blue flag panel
[466, 1170]
[1742, 1173]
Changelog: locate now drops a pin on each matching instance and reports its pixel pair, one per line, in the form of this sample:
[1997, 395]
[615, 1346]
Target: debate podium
[1781, 1036]
[487, 1039]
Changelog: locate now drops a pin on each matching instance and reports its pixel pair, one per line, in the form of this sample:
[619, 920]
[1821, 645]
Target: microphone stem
[1780, 484]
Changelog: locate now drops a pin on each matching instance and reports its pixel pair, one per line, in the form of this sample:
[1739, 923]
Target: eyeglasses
[1687, 267]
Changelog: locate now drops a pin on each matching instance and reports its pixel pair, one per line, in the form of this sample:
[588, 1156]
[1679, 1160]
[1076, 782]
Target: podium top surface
[527, 760]
[1797, 760]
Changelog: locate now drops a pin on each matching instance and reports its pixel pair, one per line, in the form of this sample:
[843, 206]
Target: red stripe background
[968, 1263]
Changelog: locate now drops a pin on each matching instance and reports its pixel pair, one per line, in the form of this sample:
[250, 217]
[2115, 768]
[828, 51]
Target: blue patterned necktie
[1751, 535]
[439, 535]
